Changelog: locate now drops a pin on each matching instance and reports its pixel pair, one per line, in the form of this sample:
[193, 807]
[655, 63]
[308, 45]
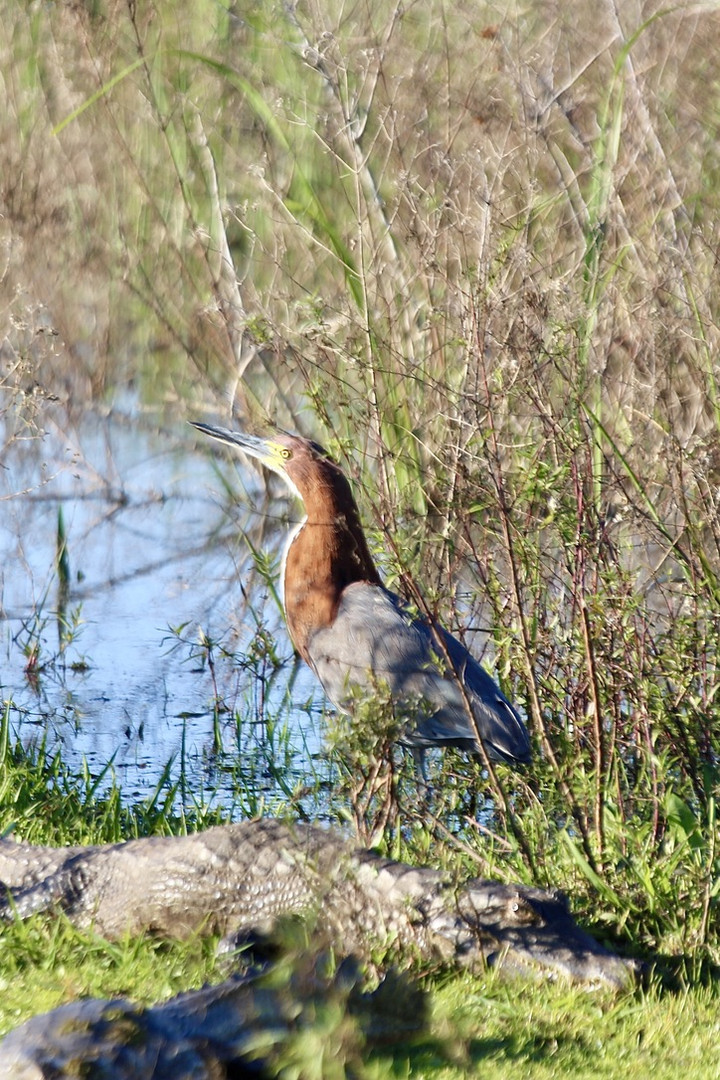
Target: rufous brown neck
[328, 553]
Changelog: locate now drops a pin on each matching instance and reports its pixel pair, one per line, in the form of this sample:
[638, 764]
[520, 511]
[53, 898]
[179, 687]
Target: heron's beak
[265, 450]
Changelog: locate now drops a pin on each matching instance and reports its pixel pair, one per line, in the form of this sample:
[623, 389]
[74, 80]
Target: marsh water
[137, 635]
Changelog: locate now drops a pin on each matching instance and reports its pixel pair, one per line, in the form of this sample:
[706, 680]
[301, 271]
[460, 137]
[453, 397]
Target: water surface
[157, 567]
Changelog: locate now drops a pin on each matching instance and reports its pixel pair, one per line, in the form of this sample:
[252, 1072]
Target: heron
[358, 636]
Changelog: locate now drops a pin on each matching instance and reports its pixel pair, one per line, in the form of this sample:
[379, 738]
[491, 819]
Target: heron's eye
[285, 453]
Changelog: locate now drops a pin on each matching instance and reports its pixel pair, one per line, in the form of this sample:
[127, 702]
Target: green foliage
[369, 766]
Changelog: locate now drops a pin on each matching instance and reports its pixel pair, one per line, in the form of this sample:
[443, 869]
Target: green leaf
[578, 858]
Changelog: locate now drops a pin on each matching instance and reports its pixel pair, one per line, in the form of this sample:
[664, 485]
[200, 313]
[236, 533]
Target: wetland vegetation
[472, 249]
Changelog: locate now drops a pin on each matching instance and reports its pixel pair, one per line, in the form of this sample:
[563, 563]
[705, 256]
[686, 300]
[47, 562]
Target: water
[151, 547]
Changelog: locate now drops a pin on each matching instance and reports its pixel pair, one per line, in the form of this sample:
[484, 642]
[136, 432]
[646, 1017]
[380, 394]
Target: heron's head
[304, 465]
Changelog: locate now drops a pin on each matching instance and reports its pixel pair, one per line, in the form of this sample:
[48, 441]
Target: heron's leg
[424, 786]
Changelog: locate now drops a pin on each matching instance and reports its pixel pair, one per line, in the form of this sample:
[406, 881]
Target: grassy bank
[472, 251]
[473, 1023]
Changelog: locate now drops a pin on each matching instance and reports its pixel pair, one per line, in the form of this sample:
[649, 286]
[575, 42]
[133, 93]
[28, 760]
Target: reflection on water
[163, 591]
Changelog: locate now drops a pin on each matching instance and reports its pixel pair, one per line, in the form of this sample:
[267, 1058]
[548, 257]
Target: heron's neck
[326, 553]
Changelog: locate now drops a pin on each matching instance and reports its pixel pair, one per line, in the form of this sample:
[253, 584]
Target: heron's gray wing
[500, 725]
[374, 640]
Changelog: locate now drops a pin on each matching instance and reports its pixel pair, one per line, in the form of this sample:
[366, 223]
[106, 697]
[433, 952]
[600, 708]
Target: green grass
[478, 1024]
[47, 962]
[499, 1031]
[474, 1023]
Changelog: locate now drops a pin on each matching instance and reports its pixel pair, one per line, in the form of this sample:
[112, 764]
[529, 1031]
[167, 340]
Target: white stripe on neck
[283, 563]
